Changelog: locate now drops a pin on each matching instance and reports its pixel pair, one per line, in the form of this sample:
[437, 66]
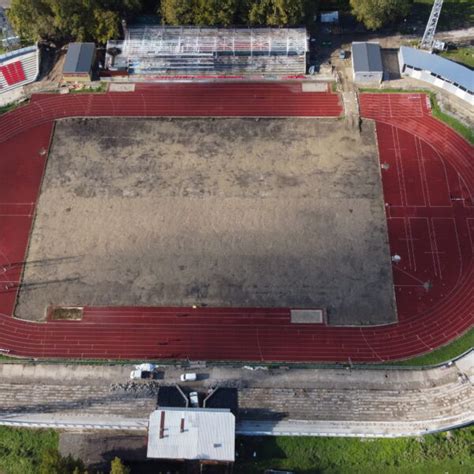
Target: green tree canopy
[66, 20]
[228, 12]
[215, 12]
[117, 467]
[199, 12]
[377, 13]
[53, 463]
[177, 12]
[31, 20]
[276, 12]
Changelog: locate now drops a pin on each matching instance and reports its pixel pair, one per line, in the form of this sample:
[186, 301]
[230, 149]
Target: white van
[188, 377]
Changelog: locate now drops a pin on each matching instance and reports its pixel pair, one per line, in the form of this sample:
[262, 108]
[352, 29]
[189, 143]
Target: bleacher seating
[18, 68]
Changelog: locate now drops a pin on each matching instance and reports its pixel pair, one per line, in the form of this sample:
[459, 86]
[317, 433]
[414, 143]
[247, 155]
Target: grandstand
[18, 68]
[164, 50]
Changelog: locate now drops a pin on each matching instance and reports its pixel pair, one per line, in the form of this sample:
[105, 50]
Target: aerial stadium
[219, 208]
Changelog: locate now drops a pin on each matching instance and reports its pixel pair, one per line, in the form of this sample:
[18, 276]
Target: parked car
[194, 399]
[188, 377]
[342, 54]
[143, 371]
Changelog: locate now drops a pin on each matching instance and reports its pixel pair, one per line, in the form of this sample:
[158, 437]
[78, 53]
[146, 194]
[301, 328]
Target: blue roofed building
[438, 71]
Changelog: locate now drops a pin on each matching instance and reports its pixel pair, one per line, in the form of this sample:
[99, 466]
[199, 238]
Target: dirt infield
[225, 212]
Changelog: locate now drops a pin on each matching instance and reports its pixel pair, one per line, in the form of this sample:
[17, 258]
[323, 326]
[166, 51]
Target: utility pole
[428, 38]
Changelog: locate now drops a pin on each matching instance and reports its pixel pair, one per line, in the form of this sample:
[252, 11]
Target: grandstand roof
[17, 53]
[79, 58]
[167, 49]
[438, 66]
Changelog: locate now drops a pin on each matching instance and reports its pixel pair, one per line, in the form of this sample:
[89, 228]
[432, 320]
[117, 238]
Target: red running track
[428, 180]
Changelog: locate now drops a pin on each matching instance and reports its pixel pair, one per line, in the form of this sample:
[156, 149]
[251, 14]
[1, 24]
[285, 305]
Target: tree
[106, 25]
[66, 20]
[50, 462]
[276, 12]
[376, 13]
[117, 467]
[31, 19]
[215, 12]
[177, 12]
[53, 463]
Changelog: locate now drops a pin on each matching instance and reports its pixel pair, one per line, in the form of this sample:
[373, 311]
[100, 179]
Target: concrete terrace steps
[414, 405]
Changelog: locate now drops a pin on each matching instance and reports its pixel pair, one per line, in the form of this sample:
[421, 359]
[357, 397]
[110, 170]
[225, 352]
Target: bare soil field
[217, 212]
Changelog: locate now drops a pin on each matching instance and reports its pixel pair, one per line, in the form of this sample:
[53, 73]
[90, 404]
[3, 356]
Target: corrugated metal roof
[179, 50]
[366, 57]
[206, 434]
[17, 53]
[79, 58]
[449, 70]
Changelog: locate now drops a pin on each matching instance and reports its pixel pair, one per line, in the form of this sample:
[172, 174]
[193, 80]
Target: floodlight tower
[428, 37]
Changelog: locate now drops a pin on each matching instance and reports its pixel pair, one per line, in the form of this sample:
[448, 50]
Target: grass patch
[31, 451]
[463, 130]
[450, 351]
[22, 450]
[66, 313]
[7, 108]
[102, 87]
[438, 453]
[464, 56]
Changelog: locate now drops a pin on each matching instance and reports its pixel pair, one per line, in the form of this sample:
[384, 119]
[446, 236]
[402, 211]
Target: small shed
[80, 58]
[367, 62]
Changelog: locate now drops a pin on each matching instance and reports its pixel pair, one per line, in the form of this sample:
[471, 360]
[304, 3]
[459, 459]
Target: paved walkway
[12, 96]
[299, 402]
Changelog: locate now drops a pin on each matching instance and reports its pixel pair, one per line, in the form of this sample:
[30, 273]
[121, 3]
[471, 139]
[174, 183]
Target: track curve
[428, 181]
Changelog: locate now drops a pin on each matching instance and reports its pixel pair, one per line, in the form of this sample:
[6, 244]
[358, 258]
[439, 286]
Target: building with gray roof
[367, 62]
[79, 61]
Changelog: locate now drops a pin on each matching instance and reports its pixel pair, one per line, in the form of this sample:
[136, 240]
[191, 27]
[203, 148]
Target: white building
[192, 434]
[367, 62]
[438, 71]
